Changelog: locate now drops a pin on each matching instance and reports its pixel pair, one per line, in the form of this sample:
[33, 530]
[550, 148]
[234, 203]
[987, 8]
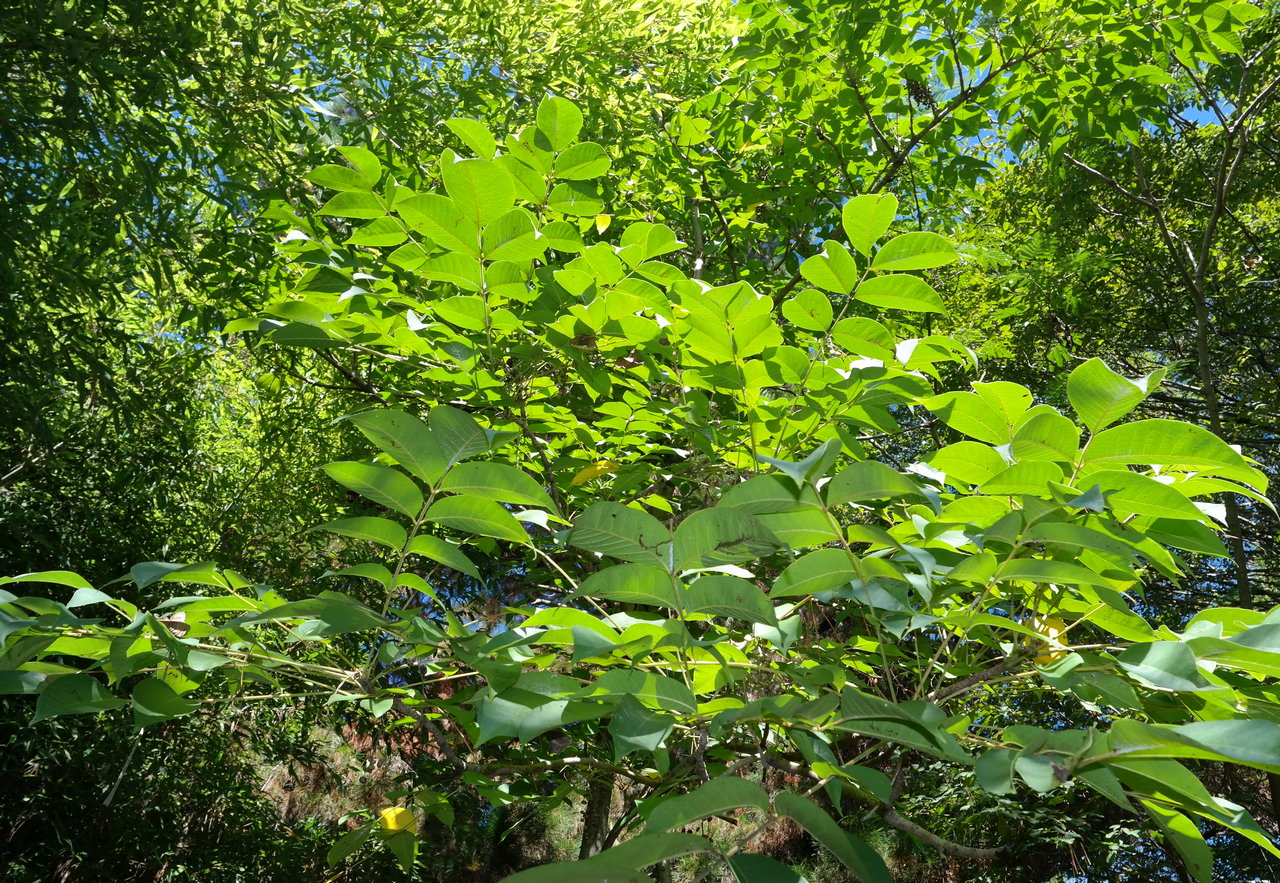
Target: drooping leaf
[154, 702]
[74, 694]
[862, 860]
[635, 728]
[718, 796]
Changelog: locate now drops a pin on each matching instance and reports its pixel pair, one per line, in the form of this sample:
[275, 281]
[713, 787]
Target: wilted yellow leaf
[397, 818]
[595, 470]
[1052, 629]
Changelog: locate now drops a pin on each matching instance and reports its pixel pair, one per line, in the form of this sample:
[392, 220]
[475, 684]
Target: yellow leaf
[595, 470]
[1052, 629]
[397, 818]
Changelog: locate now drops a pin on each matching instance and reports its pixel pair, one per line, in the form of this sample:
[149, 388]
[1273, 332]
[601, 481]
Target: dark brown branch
[437, 734]
[945, 847]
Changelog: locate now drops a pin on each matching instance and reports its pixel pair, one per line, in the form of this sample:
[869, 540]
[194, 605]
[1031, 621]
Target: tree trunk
[595, 817]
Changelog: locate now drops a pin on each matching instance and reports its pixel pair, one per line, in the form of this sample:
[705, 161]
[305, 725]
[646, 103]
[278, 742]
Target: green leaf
[1254, 743]
[898, 291]
[581, 162]
[870, 480]
[443, 552]
[559, 121]
[597, 869]
[834, 270]
[862, 860]
[21, 683]
[641, 852]
[477, 516]
[407, 439]
[475, 135]
[52, 577]
[457, 434]
[811, 468]
[1037, 771]
[330, 614]
[771, 494]
[749, 868]
[481, 189]
[1131, 493]
[455, 269]
[916, 724]
[404, 846]
[74, 694]
[1038, 570]
[972, 415]
[562, 236]
[1185, 837]
[1164, 665]
[1046, 436]
[575, 198]
[652, 239]
[711, 537]
[994, 770]
[635, 728]
[370, 529]
[713, 798]
[359, 204]
[864, 337]
[154, 702]
[364, 162]
[971, 462]
[513, 237]
[810, 310]
[1032, 477]
[440, 219]
[866, 218]
[347, 844]
[335, 177]
[496, 481]
[623, 533]
[1101, 396]
[720, 595]
[524, 714]
[631, 584]
[381, 484]
[818, 571]
[656, 690]
[914, 251]
[1160, 442]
